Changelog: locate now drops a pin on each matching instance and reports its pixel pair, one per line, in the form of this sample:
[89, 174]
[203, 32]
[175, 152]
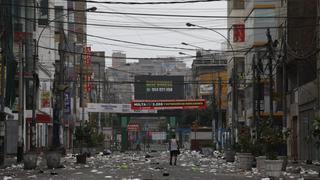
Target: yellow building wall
[214, 77]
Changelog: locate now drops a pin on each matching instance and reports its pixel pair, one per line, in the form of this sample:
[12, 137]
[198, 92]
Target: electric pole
[284, 83]
[270, 57]
[219, 106]
[254, 95]
[234, 102]
[258, 77]
[214, 120]
[21, 105]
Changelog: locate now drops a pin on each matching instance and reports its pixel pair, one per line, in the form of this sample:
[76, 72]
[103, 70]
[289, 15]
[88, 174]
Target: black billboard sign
[158, 87]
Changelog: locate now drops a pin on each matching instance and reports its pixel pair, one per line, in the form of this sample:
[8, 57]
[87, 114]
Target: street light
[35, 76]
[233, 74]
[182, 53]
[187, 44]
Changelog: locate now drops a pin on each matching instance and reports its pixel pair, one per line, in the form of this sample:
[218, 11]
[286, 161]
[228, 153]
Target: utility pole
[98, 100]
[74, 82]
[258, 77]
[3, 38]
[234, 102]
[81, 87]
[104, 93]
[254, 95]
[214, 123]
[21, 105]
[270, 55]
[284, 84]
[219, 106]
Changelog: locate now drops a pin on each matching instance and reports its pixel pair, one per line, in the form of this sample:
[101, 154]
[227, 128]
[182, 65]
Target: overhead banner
[114, 108]
[168, 104]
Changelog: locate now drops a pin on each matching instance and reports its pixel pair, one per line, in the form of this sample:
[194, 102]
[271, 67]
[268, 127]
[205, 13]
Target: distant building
[118, 59]
[98, 69]
[122, 88]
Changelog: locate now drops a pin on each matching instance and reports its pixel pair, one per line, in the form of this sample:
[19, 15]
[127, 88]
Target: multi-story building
[249, 43]
[301, 80]
[123, 76]
[40, 49]
[118, 59]
[98, 70]
[209, 75]
[235, 59]
[293, 73]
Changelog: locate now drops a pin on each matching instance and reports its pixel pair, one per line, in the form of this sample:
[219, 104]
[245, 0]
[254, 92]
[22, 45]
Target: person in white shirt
[174, 149]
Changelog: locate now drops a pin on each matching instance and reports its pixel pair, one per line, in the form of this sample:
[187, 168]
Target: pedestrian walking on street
[174, 149]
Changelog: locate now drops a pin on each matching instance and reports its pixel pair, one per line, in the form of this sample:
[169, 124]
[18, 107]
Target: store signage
[168, 104]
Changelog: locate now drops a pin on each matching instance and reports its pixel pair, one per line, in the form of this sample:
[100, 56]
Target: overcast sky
[164, 37]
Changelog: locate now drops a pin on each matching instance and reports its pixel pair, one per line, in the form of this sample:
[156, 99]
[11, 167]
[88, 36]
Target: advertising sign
[158, 87]
[168, 104]
[206, 89]
[45, 99]
[67, 103]
[87, 63]
[238, 33]
[159, 136]
[114, 108]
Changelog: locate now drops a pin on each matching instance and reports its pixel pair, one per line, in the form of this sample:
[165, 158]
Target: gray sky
[202, 38]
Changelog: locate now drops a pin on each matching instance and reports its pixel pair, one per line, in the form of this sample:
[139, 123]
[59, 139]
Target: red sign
[133, 127]
[41, 118]
[238, 33]
[19, 36]
[87, 62]
[168, 104]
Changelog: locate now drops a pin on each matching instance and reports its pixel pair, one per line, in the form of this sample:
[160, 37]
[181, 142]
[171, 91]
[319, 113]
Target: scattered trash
[124, 166]
[107, 152]
[165, 174]
[7, 178]
[32, 177]
[94, 170]
[53, 173]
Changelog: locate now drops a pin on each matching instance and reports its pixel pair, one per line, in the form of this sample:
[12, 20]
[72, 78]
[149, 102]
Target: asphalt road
[132, 166]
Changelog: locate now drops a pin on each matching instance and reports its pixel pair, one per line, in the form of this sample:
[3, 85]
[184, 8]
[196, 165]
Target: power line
[174, 28]
[143, 44]
[145, 3]
[175, 15]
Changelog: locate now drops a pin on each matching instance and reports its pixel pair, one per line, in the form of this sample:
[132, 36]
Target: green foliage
[204, 116]
[272, 138]
[316, 131]
[208, 145]
[88, 135]
[257, 149]
[244, 145]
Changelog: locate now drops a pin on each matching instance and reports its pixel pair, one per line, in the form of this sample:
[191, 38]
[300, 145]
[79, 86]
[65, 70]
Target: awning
[41, 118]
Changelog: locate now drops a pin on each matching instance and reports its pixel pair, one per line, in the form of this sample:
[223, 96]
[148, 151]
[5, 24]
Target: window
[240, 65]
[58, 15]
[43, 12]
[238, 4]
